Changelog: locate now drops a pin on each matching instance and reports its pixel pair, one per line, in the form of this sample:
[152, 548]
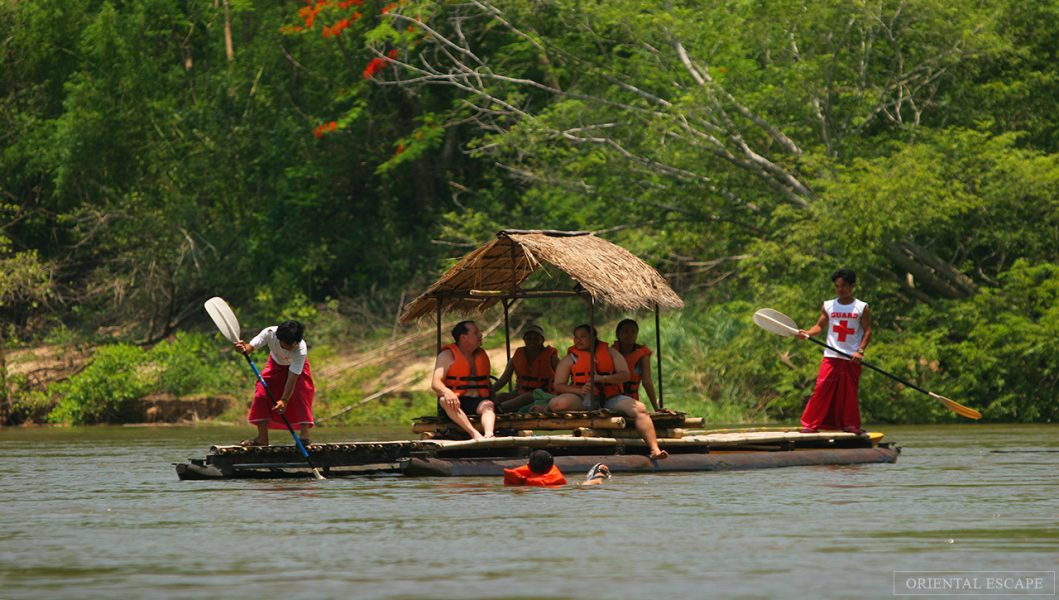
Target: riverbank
[716, 365]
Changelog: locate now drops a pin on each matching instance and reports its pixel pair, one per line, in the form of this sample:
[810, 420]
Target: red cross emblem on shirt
[843, 329]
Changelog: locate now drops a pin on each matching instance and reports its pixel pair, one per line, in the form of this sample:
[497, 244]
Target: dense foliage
[156, 153]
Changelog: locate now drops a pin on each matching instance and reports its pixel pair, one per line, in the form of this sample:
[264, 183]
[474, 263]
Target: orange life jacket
[459, 379]
[523, 476]
[538, 375]
[632, 386]
[582, 370]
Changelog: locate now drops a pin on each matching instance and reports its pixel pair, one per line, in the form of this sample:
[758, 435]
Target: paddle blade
[223, 318]
[773, 321]
[956, 407]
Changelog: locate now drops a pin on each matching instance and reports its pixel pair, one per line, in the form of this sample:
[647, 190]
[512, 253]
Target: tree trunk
[930, 270]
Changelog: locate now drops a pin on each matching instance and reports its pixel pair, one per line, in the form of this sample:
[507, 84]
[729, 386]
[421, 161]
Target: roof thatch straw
[609, 273]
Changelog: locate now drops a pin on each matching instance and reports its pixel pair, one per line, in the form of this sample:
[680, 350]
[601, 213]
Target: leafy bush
[102, 392]
[192, 363]
[189, 363]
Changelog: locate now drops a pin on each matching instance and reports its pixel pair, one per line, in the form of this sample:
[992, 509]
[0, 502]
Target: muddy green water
[99, 513]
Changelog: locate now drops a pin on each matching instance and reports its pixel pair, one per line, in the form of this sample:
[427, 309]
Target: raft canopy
[604, 272]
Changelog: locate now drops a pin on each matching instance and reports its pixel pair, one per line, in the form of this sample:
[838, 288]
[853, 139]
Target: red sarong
[833, 404]
[299, 408]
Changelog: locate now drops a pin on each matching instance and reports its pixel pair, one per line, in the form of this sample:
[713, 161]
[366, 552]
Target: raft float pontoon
[596, 437]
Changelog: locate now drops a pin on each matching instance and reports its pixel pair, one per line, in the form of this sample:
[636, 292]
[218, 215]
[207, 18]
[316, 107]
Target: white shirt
[296, 359]
[843, 326]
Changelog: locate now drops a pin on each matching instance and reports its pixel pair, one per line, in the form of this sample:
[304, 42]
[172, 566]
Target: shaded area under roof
[610, 274]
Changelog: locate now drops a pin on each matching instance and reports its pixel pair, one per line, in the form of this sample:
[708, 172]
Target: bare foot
[659, 455]
[489, 437]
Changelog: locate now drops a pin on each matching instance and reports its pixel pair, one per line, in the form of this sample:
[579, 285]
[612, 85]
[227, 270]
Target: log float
[755, 449]
[676, 462]
[669, 434]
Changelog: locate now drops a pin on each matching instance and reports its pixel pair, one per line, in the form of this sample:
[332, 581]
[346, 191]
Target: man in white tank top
[847, 322]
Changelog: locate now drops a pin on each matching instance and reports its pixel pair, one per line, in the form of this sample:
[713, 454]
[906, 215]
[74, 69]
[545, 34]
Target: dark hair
[290, 332]
[540, 461]
[625, 322]
[847, 275]
[588, 328]
[460, 329]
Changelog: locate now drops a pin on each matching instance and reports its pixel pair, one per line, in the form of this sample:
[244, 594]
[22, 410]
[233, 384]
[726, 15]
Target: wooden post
[437, 302]
[592, 355]
[507, 339]
[507, 304]
[658, 355]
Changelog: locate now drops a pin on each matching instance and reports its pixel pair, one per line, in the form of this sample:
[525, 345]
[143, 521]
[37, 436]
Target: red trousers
[833, 404]
[299, 408]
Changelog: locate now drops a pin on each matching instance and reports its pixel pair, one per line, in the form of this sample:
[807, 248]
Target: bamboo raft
[596, 437]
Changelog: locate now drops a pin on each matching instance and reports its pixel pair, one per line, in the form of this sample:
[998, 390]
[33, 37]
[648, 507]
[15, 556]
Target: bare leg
[565, 401]
[646, 427]
[511, 404]
[460, 418]
[636, 410]
[262, 432]
[485, 411]
[303, 429]
[500, 398]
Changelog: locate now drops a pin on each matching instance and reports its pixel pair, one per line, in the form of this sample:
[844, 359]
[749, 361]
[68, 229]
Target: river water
[100, 513]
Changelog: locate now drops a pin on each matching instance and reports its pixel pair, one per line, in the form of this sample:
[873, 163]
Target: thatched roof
[610, 274]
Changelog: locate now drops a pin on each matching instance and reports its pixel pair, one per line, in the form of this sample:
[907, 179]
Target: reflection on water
[99, 512]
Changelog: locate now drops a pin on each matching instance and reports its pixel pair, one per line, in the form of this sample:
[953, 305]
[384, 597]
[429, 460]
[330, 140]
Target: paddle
[778, 323]
[225, 320]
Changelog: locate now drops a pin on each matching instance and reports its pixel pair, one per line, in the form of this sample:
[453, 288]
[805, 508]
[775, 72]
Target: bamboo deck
[621, 449]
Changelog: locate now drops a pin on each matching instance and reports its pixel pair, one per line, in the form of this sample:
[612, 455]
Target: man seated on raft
[534, 366]
[572, 376]
[461, 380]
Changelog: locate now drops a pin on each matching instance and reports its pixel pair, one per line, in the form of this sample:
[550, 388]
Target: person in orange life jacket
[289, 379]
[638, 358]
[576, 392]
[541, 471]
[534, 364]
[847, 321]
[461, 380]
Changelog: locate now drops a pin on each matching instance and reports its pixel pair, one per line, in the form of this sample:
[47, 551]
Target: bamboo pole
[507, 337]
[610, 423]
[658, 355]
[541, 441]
[437, 345]
[673, 433]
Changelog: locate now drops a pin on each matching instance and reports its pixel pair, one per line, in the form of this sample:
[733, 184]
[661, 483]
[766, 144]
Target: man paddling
[847, 321]
[288, 376]
[461, 380]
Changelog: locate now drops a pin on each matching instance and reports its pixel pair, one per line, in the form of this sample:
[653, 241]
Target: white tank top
[843, 326]
[295, 360]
